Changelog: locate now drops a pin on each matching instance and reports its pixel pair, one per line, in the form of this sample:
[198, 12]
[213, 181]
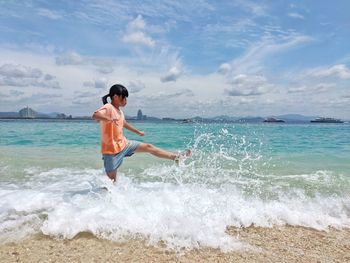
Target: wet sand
[278, 244]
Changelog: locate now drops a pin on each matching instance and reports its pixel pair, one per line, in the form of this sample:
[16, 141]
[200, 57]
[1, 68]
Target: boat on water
[273, 120]
[187, 121]
[326, 120]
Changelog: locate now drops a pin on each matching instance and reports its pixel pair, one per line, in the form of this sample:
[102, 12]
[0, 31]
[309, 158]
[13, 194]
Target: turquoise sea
[52, 181]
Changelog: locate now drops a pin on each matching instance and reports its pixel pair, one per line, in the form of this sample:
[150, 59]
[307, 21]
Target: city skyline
[29, 113]
[236, 58]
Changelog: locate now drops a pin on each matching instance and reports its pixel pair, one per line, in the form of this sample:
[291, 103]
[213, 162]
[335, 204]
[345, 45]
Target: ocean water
[52, 182]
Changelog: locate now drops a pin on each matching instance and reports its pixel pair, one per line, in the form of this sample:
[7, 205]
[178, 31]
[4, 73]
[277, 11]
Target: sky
[177, 58]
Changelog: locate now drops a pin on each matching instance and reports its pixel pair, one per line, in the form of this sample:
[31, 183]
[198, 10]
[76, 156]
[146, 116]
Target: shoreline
[277, 244]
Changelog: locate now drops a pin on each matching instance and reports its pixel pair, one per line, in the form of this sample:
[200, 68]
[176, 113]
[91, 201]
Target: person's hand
[141, 133]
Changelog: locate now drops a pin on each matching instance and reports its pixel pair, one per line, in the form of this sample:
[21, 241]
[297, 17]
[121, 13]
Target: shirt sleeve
[105, 109]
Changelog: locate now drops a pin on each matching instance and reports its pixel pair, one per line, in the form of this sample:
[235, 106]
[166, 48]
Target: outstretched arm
[133, 129]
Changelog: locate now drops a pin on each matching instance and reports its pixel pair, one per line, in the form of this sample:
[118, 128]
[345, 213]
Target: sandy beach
[278, 244]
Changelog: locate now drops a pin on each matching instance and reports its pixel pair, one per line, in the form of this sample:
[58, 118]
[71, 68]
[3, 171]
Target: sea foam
[182, 215]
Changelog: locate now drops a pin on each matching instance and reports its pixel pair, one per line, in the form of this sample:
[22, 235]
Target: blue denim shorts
[113, 161]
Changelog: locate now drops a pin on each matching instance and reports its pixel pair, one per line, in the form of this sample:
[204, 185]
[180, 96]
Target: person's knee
[148, 147]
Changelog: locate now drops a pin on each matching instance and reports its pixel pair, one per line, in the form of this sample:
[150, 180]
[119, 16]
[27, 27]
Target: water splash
[231, 180]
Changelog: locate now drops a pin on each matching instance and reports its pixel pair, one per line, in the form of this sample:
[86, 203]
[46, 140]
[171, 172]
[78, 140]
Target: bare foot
[183, 155]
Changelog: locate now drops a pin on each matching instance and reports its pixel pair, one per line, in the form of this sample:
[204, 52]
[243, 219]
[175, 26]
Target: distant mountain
[251, 120]
[296, 118]
[50, 115]
[197, 119]
[224, 118]
[150, 118]
[9, 114]
[42, 115]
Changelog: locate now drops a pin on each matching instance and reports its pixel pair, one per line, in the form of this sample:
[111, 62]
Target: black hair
[116, 89]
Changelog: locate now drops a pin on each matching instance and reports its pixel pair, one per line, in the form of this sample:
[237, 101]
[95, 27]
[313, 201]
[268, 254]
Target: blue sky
[177, 58]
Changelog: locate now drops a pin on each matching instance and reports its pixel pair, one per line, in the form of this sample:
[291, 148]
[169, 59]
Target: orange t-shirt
[112, 138]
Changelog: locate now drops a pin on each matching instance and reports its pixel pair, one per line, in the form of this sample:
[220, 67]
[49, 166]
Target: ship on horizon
[270, 119]
[326, 120]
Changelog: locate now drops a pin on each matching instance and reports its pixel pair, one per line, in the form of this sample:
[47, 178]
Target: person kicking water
[114, 145]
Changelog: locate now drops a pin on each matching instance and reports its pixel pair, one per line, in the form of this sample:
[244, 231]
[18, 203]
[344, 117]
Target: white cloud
[229, 26]
[102, 62]
[49, 14]
[253, 60]
[297, 89]
[224, 68]
[296, 15]
[135, 35]
[48, 77]
[161, 96]
[136, 86]
[106, 12]
[247, 75]
[336, 71]
[137, 24]
[102, 65]
[324, 87]
[85, 94]
[138, 38]
[105, 70]
[19, 71]
[70, 58]
[24, 76]
[81, 101]
[254, 8]
[164, 104]
[312, 88]
[16, 93]
[173, 74]
[248, 85]
[97, 84]
[39, 99]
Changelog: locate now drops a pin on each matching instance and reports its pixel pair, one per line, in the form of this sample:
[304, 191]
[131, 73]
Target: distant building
[139, 115]
[326, 120]
[61, 116]
[27, 113]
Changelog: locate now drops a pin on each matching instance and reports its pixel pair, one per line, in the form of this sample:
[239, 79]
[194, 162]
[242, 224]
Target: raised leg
[149, 148]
